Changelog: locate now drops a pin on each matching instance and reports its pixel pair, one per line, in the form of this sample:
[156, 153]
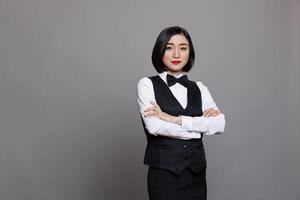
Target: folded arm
[155, 125]
[215, 124]
[160, 123]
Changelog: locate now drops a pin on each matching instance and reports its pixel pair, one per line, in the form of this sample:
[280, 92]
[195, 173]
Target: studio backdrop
[69, 122]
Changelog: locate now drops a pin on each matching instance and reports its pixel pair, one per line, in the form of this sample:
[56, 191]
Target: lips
[176, 62]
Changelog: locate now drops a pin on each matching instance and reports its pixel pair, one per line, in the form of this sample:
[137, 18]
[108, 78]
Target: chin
[174, 68]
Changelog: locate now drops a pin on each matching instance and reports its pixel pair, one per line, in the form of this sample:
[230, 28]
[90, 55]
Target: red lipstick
[176, 62]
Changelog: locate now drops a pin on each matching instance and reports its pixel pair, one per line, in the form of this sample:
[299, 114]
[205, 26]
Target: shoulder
[201, 85]
[147, 80]
[144, 84]
[203, 88]
[144, 81]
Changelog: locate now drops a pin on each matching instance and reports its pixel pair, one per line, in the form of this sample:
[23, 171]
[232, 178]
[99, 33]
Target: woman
[176, 112]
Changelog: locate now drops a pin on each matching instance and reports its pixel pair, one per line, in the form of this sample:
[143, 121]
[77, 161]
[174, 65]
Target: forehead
[178, 39]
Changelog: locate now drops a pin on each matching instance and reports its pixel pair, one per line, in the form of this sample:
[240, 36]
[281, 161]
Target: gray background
[69, 123]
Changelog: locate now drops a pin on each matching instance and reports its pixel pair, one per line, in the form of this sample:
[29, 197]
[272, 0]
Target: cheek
[166, 56]
[186, 55]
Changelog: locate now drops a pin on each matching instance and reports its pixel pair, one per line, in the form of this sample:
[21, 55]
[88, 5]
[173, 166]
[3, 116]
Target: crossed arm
[184, 127]
[155, 111]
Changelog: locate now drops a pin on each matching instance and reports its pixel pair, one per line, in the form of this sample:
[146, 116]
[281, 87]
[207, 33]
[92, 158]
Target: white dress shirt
[191, 127]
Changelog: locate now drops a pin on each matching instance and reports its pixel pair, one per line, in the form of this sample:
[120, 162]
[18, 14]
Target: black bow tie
[183, 80]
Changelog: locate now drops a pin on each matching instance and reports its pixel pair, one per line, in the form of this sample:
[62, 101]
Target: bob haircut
[161, 44]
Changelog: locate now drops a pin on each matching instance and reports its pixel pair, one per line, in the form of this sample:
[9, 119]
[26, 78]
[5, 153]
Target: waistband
[173, 142]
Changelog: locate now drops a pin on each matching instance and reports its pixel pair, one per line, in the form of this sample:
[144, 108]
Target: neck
[176, 73]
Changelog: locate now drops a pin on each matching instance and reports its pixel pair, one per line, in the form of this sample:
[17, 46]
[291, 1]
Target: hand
[211, 112]
[157, 112]
[154, 111]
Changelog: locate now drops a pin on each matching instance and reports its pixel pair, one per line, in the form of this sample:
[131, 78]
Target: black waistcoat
[169, 153]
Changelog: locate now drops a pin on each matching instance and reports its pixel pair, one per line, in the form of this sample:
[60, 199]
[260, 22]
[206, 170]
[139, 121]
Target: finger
[209, 109]
[213, 113]
[209, 113]
[216, 112]
[155, 104]
[150, 113]
[149, 109]
[206, 112]
[152, 102]
[152, 108]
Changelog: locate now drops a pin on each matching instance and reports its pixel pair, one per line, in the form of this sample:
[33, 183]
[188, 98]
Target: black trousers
[165, 185]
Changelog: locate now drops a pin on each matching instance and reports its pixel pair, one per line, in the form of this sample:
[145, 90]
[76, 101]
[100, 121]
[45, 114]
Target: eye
[168, 48]
[183, 48]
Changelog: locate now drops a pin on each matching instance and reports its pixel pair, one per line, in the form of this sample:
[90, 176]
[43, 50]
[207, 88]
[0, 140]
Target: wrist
[177, 120]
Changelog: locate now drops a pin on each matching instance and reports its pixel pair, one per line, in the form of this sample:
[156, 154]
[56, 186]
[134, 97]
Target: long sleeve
[213, 125]
[154, 125]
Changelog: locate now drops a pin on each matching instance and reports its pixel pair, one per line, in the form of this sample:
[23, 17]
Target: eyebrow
[179, 44]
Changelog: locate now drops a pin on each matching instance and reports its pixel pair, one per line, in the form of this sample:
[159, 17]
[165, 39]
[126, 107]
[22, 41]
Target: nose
[176, 53]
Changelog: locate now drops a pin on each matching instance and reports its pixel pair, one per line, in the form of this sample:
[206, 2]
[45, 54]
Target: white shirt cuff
[195, 124]
[187, 123]
[216, 125]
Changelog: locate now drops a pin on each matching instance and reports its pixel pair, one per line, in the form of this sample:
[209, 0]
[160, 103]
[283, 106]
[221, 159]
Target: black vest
[169, 153]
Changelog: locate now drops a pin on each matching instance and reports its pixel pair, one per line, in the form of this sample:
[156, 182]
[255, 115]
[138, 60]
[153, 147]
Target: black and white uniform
[175, 153]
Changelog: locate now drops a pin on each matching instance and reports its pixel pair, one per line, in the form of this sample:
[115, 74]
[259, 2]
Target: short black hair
[161, 44]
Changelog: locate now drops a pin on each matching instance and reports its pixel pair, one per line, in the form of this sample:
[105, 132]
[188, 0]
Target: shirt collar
[163, 75]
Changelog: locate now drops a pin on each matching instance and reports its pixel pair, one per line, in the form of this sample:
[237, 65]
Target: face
[177, 54]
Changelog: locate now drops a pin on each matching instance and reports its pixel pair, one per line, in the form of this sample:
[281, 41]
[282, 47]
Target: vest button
[184, 146]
